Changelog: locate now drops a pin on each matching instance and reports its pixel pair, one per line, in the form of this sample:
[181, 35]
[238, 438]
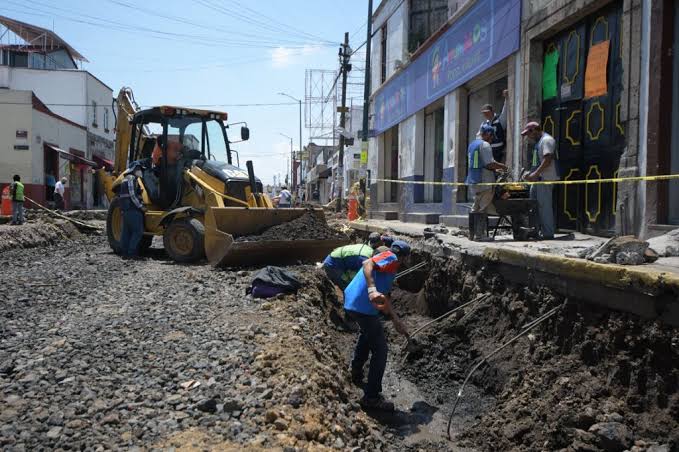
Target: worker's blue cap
[487, 128]
[387, 240]
[400, 248]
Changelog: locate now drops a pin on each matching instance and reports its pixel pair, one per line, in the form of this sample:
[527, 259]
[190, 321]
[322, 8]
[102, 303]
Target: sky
[222, 53]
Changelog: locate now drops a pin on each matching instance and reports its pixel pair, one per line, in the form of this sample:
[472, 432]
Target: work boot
[377, 403]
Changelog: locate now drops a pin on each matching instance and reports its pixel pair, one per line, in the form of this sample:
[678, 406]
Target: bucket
[6, 206]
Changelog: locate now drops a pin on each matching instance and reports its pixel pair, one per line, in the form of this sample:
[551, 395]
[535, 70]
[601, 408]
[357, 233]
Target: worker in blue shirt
[366, 297]
[342, 264]
[130, 194]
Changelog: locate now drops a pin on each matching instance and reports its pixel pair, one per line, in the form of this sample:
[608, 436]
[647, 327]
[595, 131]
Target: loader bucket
[223, 223]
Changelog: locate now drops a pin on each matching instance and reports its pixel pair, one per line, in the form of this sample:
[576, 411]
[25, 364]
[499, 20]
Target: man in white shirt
[284, 198]
[542, 168]
[59, 191]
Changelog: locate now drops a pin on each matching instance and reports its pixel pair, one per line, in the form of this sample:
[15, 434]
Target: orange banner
[596, 74]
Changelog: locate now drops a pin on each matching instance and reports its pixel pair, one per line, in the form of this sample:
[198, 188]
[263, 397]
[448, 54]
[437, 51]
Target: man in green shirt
[344, 262]
[16, 191]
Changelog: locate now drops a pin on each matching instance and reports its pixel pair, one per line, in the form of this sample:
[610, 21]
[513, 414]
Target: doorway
[673, 185]
[390, 165]
[433, 154]
[588, 129]
[51, 169]
[477, 98]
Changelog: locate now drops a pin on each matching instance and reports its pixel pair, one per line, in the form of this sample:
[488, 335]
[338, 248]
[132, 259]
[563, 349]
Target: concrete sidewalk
[650, 290]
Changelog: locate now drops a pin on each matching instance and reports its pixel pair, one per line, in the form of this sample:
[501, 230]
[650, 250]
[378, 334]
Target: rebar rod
[485, 359]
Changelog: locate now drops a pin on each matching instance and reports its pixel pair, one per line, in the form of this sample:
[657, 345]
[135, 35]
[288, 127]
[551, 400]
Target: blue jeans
[133, 230]
[543, 195]
[17, 212]
[371, 340]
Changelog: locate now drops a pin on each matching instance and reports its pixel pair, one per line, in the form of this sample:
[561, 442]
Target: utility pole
[292, 161]
[366, 102]
[345, 67]
[301, 173]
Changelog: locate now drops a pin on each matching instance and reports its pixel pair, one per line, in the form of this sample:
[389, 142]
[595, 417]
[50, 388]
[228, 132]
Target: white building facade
[46, 66]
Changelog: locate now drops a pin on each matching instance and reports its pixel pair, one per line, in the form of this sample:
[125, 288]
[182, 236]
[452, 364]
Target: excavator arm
[127, 107]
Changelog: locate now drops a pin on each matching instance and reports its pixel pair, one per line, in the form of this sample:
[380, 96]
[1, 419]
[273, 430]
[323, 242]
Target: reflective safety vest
[17, 191]
[474, 167]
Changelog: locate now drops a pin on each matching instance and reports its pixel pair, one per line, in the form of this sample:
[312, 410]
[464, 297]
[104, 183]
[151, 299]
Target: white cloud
[285, 56]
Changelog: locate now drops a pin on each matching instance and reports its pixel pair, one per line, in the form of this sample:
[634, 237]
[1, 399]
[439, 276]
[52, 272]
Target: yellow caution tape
[551, 182]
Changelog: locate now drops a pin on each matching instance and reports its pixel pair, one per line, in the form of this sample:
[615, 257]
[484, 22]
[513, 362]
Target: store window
[425, 17]
[383, 55]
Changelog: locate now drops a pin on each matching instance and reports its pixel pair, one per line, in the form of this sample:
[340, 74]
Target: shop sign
[486, 34]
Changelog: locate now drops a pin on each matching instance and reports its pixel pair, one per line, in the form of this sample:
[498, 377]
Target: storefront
[426, 114]
[583, 69]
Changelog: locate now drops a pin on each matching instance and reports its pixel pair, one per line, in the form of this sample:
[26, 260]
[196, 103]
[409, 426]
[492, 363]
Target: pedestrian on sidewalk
[59, 193]
[16, 191]
[342, 264]
[130, 194]
[366, 300]
[284, 198]
[481, 169]
[543, 168]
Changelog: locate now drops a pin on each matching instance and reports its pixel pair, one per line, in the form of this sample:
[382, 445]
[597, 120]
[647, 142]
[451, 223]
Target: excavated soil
[97, 352]
[307, 227]
[36, 234]
[586, 379]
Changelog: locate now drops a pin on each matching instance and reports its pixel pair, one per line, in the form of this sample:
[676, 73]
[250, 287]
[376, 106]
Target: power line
[183, 20]
[160, 34]
[234, 13]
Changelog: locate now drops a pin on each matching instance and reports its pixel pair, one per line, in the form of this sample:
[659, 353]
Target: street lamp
[300, 125]
[292, 161]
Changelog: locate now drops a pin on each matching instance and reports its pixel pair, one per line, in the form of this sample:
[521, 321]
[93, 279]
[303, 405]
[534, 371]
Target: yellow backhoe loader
[196, 203]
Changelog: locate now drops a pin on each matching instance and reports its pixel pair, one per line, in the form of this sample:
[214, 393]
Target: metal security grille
[589, 132]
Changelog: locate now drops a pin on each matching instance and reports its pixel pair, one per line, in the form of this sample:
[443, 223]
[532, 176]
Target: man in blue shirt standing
[366, 297]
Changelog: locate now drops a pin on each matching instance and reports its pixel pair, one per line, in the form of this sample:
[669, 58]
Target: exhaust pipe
[251, 176]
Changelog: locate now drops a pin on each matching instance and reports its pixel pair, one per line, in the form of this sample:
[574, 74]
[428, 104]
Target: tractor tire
[114, 225]
[184, 240]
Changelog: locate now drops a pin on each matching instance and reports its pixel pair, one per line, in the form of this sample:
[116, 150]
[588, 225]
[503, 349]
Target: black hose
[529, 326]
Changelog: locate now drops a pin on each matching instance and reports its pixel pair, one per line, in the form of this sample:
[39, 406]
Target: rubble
[307, 227]
[590, 379]
[36, 234]
[666, 245]
[625, 250]
[101, 352]
[98, 352]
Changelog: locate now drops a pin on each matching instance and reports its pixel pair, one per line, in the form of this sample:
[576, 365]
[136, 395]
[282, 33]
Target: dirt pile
[587, 379]
[36, 234]
[625, 250]
[307, 227]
